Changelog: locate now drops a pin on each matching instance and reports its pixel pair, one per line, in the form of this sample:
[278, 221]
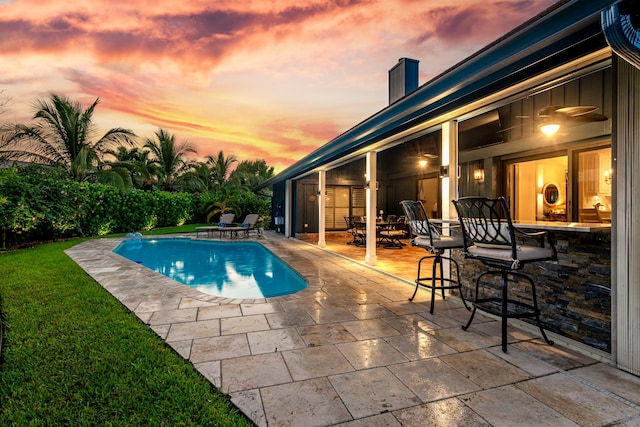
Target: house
[477, 129]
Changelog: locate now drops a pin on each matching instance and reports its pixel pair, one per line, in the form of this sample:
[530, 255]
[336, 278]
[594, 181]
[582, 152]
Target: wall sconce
[608, 176]
[478, 174]
[367, 185]
[422, 163]
[549, 129]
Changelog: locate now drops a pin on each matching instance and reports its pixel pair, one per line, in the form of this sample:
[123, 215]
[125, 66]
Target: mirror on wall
[551, 194]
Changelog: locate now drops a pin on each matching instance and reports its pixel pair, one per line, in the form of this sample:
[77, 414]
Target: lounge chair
[247, 226]
[225, 221]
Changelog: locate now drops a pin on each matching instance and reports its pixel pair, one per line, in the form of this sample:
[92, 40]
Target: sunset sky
[258, 79]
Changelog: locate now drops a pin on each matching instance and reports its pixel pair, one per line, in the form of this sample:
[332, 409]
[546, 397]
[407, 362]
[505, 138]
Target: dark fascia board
[520, 54]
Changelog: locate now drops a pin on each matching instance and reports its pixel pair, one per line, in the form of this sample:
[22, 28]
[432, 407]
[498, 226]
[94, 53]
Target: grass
[73, 355]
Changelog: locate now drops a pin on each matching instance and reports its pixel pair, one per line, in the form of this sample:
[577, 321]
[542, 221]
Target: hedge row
[40, 204]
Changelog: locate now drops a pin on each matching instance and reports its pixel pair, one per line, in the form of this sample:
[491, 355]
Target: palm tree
[62, 137]
[221, 167]
[140, 166]
[168, 155]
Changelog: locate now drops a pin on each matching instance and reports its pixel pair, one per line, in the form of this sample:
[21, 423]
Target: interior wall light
[549, 129]
[478, 174]
[422, 163]
[608, 176]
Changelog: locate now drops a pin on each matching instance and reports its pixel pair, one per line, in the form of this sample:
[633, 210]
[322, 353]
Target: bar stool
[490, 237]
[424, 235]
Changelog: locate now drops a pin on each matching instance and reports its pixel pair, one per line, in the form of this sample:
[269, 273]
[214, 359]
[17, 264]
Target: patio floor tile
[485, 369]
[419, 346]
[315, 362]
[325, 334]
[289, 319]
[443, 413]
[577, 401]
[243, 324]
[369, 311]
[309, 403]
[218, 348]
[372, 392]
[369, 328]
[219, 311]
[262, 370]
[331, 315]
[370, 353]
[251, 404]
[432, 379]
[382, 420]
[193, 330]
[522, 410]
[275, 340]
[614, 380]
[410, 323]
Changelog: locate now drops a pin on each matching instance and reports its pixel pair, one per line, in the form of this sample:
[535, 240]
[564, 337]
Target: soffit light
[549, 129]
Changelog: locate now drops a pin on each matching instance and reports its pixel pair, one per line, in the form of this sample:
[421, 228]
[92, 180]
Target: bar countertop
[578, 227]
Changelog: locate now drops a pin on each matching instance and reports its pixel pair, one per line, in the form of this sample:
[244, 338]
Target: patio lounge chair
[247, 226]
[225, 221]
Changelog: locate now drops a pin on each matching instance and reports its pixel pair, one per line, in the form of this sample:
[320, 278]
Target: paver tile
[309, 403]
[315, 362]
[372, 391]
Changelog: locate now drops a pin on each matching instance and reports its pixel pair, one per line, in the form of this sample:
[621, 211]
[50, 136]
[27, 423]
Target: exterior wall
[574, 293]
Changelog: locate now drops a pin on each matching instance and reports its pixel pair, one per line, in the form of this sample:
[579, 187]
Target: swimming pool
[225, 269]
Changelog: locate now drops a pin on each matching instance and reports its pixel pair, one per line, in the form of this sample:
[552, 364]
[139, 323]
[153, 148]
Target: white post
[371, 257]
[287, 208]
[322, 185]
[449, 157]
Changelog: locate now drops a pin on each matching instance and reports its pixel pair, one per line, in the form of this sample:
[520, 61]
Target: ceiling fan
[554, 116]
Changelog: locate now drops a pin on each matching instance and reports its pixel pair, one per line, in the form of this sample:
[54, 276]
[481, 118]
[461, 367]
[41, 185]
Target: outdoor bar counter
[574, 292]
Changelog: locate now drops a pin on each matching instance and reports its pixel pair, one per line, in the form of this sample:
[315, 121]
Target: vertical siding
[627, 221]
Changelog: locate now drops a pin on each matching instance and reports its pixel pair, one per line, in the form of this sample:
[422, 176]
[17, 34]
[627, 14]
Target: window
[338, 205]
[528, 182]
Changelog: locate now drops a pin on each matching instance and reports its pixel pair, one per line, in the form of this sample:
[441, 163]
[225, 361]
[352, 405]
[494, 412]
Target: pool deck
[351, 350]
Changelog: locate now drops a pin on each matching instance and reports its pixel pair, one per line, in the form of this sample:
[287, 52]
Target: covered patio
[352, 350]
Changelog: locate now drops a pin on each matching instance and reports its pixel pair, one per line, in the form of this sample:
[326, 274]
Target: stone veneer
[574, 293]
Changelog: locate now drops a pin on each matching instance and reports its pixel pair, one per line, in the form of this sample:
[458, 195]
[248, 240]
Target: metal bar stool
[490, 237]
[424, 234]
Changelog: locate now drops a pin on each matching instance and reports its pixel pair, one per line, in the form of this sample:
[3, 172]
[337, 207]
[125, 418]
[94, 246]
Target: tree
[250, 174]
[4, 101]
[139, 164]
[169, 157]
[62, 137]
[220, 167]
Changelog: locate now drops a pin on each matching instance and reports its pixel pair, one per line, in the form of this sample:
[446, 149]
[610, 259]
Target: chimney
[403, 78]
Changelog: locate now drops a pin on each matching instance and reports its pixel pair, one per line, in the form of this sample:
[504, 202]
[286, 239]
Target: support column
[322, 197]
[287, 208]
[449, 158]
[449, 180]
[625, 224]
[371, 257]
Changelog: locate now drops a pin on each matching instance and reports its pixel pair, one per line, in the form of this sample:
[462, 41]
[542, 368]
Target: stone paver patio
[351, 350]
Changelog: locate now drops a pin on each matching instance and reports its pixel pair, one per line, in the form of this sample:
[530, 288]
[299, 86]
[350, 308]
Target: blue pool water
[225, 269]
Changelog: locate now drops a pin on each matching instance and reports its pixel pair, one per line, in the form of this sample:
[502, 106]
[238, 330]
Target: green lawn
[74, 356]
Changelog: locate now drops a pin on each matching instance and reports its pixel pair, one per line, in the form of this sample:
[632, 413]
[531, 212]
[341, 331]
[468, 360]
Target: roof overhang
[560, 35]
